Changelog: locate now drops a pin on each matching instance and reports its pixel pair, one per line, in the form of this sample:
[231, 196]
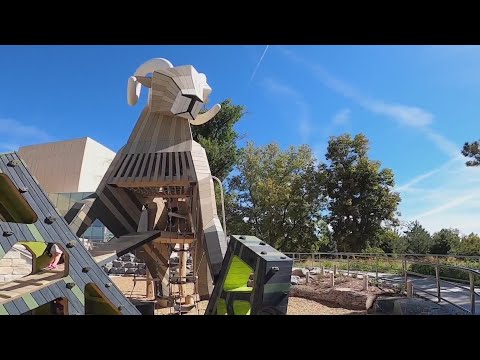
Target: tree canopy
[360, 194]
[277, 196]
[219, 138]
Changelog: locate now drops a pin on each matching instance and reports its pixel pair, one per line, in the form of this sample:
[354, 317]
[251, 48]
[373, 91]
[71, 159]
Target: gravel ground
[296, 306]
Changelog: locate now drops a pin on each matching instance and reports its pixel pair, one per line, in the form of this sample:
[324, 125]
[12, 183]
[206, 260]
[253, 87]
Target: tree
[277, 196]
[469, 245]
[472, 150]
[361, 196]
[418, 239]
[445, 241]
[390, 241]
[219, 138]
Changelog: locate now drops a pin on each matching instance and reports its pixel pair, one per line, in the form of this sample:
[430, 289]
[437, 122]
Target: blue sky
[416, 104]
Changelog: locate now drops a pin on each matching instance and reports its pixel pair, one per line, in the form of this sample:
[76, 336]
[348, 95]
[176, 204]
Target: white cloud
[411, 116]
[444, 197]
[342, 117]
[303, 122]
[14, 134]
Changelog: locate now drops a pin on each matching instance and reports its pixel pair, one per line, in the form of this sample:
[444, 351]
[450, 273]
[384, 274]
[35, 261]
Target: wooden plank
[120, 208]
[11, 308]
[47, 294]
[177, 164]
[76, 291]
[60, 290]
[30, 301]
[39, 298]
[3, 311]
[21, 306]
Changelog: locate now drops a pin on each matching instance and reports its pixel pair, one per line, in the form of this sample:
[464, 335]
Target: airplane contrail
[259, 62]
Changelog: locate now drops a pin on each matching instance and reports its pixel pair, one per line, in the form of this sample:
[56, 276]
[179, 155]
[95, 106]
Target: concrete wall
[56, 165]
[15, 264]
[68, 166]
[96, 160]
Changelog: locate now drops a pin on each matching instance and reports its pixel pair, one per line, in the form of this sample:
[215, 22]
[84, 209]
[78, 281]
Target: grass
[394, 266]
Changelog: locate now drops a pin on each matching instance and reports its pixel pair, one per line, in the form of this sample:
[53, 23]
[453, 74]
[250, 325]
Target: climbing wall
[28, 217]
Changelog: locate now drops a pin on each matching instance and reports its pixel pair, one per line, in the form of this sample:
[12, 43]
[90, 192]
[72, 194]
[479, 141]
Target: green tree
[469, 245]
[361, 196]
[418, 239]
[219, 138]
[445, 241]
[472, 150]
[390, 241]
[277, 196]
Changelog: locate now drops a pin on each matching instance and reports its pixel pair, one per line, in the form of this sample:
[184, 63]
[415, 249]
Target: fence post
[348, 265]
[409, 289]
[332, 280]
[322, 271]
[376, 267]
[307, 278]
[365, 281]
[334, 269]
[472, 292]
[437, 276]
[406, 271]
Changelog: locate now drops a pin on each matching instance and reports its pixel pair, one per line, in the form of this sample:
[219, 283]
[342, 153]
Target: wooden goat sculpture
[162, 174]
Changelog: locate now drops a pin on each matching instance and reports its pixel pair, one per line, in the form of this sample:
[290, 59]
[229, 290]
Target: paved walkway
[450, 292]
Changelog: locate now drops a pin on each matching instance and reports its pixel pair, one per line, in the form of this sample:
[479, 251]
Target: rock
[385, 304]
[142, 266]
[130, 265]
[117, 263]
[299, 272]
[117, 271]
[128, 257]
[294, 280]
[108, 266]
[370, 301]
[345, 297]
[174, 260]
[131, 270]
[417, 306]
[141, 272]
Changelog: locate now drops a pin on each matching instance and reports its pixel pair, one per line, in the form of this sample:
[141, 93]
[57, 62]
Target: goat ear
[133, 90]
[145, 81]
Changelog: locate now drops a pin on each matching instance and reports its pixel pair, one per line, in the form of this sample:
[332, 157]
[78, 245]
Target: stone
[299, 272]
[108, 266]
[6, 270]
[118, 271]
[416, 306]
[117, 263]
[131, 270]
[385, 304]
[22, 270]
[294, 280]
[140, 272]
[128, 257]
[142, 266]
[129, 265]
[21, 262]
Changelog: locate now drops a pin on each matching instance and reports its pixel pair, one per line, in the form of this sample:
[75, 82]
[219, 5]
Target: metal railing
[399, 265]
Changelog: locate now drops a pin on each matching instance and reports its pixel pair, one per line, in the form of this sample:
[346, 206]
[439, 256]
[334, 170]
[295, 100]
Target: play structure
[157, 197]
